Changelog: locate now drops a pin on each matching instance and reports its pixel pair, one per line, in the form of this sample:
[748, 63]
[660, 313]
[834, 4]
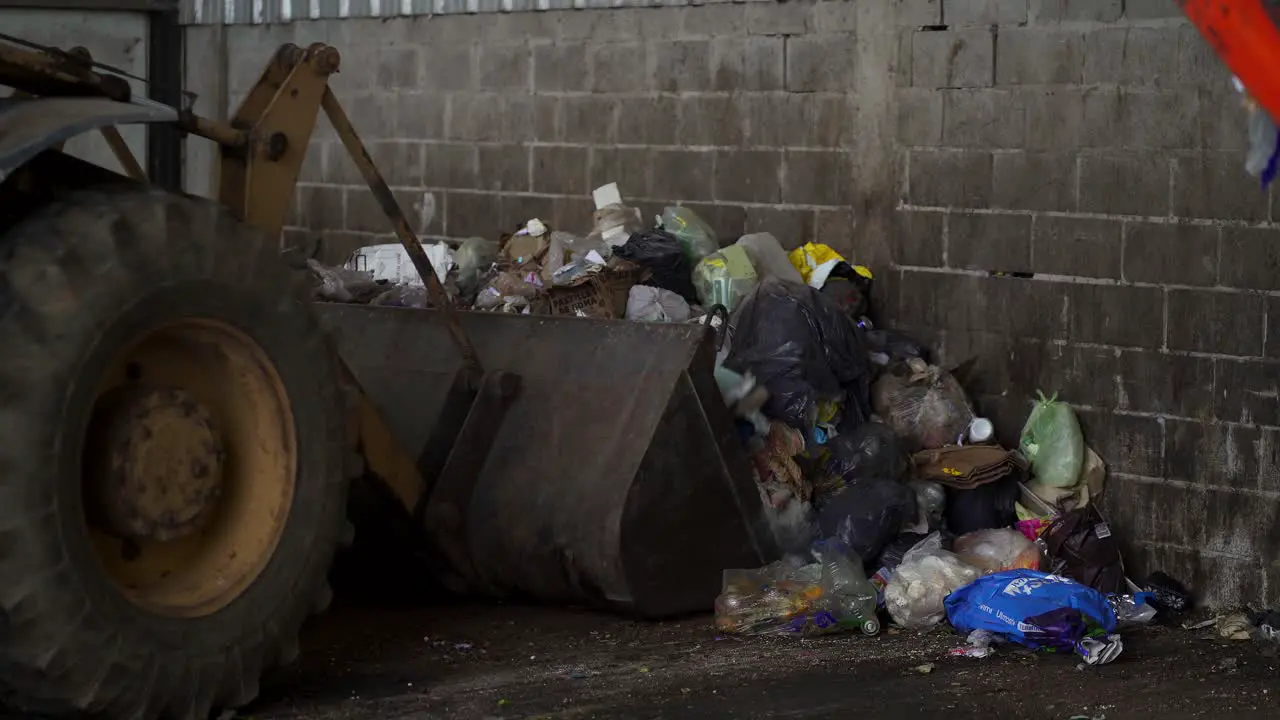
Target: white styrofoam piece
[606, 195]
[391, 262]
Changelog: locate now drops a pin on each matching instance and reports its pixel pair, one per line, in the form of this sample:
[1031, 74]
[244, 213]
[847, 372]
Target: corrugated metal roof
[257, 12]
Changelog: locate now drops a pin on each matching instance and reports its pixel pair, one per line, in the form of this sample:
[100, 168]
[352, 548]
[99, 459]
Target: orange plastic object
[1244, 35]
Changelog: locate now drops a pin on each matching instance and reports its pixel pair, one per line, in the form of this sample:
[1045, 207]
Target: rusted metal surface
[48, 71]
[28, 126]
[615, 424]
[158, 463]
[408, 238]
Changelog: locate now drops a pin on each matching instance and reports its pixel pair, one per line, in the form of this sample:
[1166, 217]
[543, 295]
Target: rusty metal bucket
[615, 479]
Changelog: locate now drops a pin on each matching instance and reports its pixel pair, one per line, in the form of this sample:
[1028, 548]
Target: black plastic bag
[891, 556]
[1170, 597]
[866, 515]
[803, 349]
[872, 450]
[1082, 540]
[984, 507]
[893, 346]
[662, 254]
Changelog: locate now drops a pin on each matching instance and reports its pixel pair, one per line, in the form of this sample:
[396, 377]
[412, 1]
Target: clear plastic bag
[1053, 443]
[725, 278]
[769, 258]
[916, 594]
[923, 404]
[695, 235]
[472, 258]
[998, 549]
[1132, 610]
[341, 284]
[787, 598]
[931, 502]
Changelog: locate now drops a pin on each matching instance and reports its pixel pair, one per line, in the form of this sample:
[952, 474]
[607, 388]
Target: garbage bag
[725, 277]
[931, 502]
[342, 284]
[867, 514]
[891, 346]
[815, 262]
[1053, 443]
[473, 257]
[847, 295]
[789, 599]
[651, 304]
[662, 254]
[768, 257]
[1007, 602]
[872, 450]
[1082, 542]
[986, 506]
[923, 404]
[695, 236]
[921, 583]
[804, 351]
[897, 548]
[997, 549]
[1170, 597]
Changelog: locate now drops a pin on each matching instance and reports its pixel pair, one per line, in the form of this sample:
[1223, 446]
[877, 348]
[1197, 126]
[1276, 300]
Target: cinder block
[1034, 181]
[836, 227]
[1250, 259]
[471, 214]
[475, 117]
[373, 114]
[1237, 524]
[710, 120]
[561, 170]
[1158, 382]
[560, 67]
[950, 178]
[1011, 306]
[1049, 11]
[917, 13]
[952, 59]
[714, 20]
[748, 176]
[919, 116]
[618, 67]
[448, 67]
[774, 18]
[983, 118]
[1094, 315]
[420, 116]
[727, 220]
[1210, 321]
[450, 165]
[1246, 392]
[399, 162]
[365, 214]
[1055, 118]
[1124, 184]
[984, 12]
[321, 207]
[603, 27]
[793, 228]
[1141, 119]
[648, 120]
[817, 63]
[1198, 64]
[835, 17]
[1133, 56]
[504, 168]
[1214, 185]
[682, 175]
[998, 243]
[504, 67]
[589, 119]
[1039, 56]
[829, 121]
[1177, 254]
[775, 119]
[526, 118]
[1132, 445]
[1147, 9]
[817, 178]
[739, 64]
[1083, 247]
[629, 167]
[918, 238]
[682, 65]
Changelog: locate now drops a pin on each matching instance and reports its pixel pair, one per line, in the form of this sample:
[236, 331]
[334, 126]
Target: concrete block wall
[1074, 214]
[1053, 188]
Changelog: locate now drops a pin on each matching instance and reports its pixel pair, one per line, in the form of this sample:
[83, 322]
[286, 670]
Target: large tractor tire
[171, 459]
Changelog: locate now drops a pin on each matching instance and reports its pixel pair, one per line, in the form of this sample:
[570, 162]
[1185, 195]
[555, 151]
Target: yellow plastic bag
[815, 261]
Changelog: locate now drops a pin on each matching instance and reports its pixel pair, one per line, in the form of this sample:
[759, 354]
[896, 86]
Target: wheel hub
[157, 469]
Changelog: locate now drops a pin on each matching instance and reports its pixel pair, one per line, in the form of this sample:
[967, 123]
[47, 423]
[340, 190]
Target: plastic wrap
[867, 514]
[651, 304]
[768, 257]
[871, 450]
[916, 594]
[803, 350]
[695, 236]
[1053, 443]
[923, 404]
[998, 549]
[783, 598]
[614, 225]
[1132, 610]
[663, 255]
[342, 284]
[473, 257]
[725, 277]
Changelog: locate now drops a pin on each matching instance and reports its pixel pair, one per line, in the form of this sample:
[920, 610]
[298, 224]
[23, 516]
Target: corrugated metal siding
[257, 12]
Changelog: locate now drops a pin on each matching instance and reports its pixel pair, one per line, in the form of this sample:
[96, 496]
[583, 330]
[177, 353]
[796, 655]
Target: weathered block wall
[1099, 145]
[1095, 144]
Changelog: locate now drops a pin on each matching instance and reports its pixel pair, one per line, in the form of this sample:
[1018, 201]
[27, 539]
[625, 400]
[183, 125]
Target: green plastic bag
[1053, 443]
[695, 236]
[725, 277]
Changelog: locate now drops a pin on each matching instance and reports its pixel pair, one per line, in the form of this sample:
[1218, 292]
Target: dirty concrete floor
[476, 661]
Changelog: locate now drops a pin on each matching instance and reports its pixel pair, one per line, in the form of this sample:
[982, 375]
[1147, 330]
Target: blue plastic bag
[1007, 602]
